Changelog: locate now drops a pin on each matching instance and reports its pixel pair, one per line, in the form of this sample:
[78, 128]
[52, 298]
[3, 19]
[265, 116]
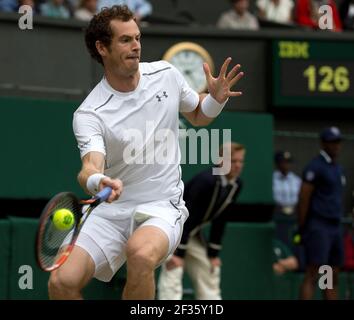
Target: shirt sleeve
[189, 99]
[310, 174]
[88, 131]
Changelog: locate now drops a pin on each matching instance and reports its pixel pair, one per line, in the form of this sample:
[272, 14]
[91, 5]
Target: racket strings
[54, 238]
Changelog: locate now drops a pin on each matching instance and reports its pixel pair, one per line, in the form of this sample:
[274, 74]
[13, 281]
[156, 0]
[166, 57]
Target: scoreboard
[312, 73]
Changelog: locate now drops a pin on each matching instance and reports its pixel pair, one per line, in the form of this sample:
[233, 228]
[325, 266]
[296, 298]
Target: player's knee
[141, 259]
[61, 286]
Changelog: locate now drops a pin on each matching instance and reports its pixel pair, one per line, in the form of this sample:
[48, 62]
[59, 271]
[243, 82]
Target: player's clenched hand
[115, 184]
[174, 262]
[220, 87]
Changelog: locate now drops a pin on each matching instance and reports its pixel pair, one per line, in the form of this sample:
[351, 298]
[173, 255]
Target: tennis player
[124, 129]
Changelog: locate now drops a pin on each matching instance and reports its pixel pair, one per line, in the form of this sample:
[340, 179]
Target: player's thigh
[148, 240]
[76, 272]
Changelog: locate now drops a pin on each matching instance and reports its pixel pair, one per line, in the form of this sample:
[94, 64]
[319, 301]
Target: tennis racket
[56, 237]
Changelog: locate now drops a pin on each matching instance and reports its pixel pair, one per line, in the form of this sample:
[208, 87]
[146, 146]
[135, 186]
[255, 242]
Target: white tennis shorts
[105, 239]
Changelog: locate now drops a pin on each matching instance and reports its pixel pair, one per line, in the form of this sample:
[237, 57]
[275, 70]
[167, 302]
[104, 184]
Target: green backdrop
[246, 269]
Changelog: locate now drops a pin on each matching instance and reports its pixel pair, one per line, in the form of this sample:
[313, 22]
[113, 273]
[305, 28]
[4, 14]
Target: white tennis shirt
[137, 132]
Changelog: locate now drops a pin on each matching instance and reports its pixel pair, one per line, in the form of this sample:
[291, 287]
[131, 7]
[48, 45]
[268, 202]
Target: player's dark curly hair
[99, 28]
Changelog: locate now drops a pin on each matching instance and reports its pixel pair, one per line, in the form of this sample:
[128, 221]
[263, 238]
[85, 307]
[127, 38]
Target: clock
[188, 58]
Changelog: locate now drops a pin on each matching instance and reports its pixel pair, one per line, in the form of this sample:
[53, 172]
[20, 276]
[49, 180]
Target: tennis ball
[297, 239]
[63, 219]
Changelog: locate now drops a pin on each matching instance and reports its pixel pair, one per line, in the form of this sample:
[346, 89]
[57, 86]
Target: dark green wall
[39, 153]
[4, 257]
[246, 256]
[246, 270]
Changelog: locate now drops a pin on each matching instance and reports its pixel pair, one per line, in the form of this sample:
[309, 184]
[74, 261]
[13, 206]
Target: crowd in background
[304, 13]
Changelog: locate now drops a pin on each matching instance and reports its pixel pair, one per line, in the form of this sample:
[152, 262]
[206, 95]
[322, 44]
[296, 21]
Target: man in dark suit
[207, 198]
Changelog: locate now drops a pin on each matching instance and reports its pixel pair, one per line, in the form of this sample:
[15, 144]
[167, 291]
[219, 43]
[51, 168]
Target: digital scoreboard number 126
[327, 78]
[312, 73]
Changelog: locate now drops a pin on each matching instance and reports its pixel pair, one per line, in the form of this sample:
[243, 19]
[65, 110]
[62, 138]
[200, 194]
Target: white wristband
[210, 107]
[93, 182]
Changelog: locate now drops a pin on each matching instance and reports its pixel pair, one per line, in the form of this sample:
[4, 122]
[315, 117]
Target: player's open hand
[115, 184]
[220, 87]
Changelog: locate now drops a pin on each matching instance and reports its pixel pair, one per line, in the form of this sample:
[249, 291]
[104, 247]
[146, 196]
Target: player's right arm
[93, 163]
[89, 133]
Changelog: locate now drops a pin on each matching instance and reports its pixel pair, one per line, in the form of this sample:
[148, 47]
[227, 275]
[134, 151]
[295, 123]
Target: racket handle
[104, 194]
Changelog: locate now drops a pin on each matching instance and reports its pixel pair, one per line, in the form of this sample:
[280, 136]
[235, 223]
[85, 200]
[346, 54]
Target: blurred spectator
[8, 5]
[347, 14]
[238, 17]
[320, 213]
[286, 187]
[141, 8]
[283, 259]
[307, 13]
[207, 197]
[349, 251]
[30, 3]
[54, 9]
[280, 11]
[86, 10]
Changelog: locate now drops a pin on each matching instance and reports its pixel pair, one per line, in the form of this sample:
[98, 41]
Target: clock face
[188, 58]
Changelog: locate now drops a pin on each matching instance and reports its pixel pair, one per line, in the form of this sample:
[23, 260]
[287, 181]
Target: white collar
[280, 175]
[108, 87]
[225, 182]
[325, 155]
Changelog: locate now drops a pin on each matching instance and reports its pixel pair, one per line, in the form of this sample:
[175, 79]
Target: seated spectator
[283, 259]
[8, 5]
[349, 251]
[280, 11]
[141, 8]
[86, 10]
[347, 14]
[54, 9]
[307, 13]
[238, 17]
[30, 3]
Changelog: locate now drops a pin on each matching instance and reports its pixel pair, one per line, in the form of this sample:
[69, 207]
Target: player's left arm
[210, 105]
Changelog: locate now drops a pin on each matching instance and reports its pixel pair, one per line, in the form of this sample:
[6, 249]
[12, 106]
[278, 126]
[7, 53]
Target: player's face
[125, 49]
[237, 161]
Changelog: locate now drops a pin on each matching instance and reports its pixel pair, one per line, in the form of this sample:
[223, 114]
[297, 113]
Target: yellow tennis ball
[63, 219]
[297, 239]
